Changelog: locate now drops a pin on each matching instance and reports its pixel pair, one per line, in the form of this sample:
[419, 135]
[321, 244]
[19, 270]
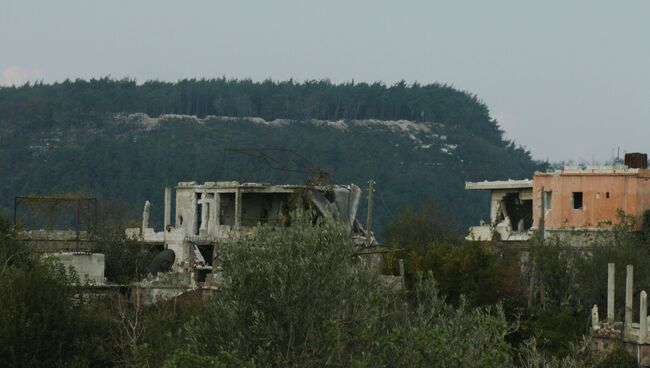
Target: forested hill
[119, 140]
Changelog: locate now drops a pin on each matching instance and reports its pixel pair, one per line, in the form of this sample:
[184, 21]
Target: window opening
[263, 208]
[197, 213]
[577, 200]
[227, 209]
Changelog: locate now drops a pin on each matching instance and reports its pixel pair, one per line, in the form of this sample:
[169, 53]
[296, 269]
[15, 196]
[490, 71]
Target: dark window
[577, 200]
[607, 195]
[227, 209]
[520, 212]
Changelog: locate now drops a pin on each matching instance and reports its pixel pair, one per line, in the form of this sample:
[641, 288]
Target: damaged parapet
[632, 336]
[511, 210]
[213, 212]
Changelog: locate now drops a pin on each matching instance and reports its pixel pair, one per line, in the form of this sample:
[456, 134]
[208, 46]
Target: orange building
[573, 198]
[589, 198]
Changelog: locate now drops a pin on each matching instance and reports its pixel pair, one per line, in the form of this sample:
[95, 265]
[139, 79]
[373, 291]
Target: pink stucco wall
[628, 191]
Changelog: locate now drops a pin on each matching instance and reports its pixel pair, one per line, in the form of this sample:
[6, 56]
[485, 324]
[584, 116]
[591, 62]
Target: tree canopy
[79, 135]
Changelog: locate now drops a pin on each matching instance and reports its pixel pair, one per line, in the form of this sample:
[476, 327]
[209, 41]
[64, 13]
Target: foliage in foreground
[487, 273]
[297, 297]
[428, 243]
[42, 322]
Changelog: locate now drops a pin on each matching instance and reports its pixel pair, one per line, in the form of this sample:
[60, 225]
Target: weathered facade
[72, 249]
[584, 199]
[211, 213]
[62, 227]
[88, 266]
[590, 198]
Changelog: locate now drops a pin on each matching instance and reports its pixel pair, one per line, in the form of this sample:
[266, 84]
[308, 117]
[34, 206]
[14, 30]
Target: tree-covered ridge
[317, 99]
[119, 140]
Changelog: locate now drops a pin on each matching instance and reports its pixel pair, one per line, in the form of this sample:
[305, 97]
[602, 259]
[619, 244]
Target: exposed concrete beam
[500, 184]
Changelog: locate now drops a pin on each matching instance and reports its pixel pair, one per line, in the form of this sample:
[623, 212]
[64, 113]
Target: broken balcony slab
[511, 211]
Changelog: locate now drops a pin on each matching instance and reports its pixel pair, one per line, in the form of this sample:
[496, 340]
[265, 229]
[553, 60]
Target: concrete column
[205, 213]
[643, 317]
[629, 285]
[145, 215]
[194, 224]
[217, 209]
[594, 318]
[212, 215]
[168, 207]
[238, 205]
[611, 269]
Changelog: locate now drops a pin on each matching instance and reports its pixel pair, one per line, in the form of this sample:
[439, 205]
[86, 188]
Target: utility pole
[542, 230]
[542, 217]
[535, 257]
[371, 190]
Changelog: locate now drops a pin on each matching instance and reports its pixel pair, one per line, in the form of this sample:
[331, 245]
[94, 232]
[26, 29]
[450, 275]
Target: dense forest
[116, 139]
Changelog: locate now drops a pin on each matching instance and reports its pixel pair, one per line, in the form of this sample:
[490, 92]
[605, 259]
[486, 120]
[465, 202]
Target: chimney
[636, 160]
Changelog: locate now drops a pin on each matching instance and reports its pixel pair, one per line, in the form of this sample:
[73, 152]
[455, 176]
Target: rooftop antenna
[283, 159]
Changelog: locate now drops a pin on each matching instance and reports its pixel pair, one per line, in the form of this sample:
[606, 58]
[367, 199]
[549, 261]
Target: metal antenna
[283, 159]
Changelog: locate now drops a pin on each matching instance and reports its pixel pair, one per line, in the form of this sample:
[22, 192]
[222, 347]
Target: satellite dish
[162, 262]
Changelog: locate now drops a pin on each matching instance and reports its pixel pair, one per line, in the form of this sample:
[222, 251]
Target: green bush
[619, 358]
[43, 321]
[297, 296]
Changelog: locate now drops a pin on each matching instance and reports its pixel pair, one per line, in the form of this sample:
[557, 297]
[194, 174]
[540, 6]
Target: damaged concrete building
[586, 199]
[609, 334]
[511, 215]
[62, 228]
[211, 213]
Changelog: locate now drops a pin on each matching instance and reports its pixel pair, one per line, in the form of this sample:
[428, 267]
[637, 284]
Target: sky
[568, 80]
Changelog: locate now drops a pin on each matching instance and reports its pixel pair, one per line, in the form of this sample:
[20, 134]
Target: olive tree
[297, 296]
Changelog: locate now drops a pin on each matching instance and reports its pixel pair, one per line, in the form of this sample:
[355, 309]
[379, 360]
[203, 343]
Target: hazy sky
[566, 79]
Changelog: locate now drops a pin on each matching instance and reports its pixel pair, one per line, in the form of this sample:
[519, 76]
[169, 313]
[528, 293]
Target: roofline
[644, 173]
[233, 185]
[499, 184]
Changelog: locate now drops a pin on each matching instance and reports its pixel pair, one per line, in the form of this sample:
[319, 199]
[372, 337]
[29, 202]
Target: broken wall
[88, 266]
